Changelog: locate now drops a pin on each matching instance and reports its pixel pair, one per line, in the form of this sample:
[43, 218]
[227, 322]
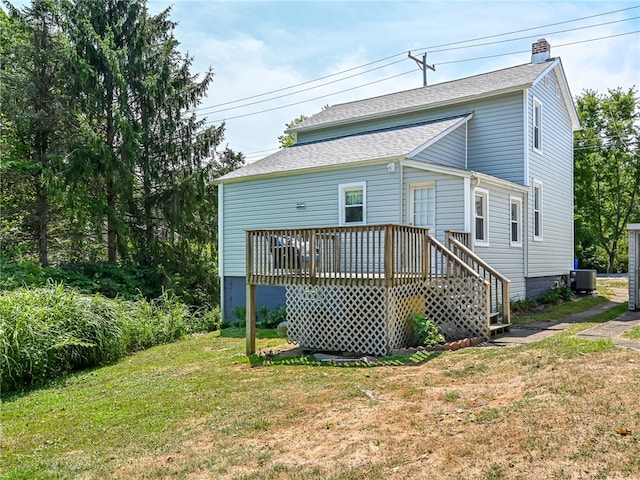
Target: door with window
[422, 206]
[422, 210]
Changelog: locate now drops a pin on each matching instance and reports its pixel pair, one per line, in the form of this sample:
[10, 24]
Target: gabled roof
[383, 145]
[478, 86]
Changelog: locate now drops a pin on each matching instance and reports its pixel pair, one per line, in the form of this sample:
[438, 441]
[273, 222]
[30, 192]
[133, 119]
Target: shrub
[523, 306]
[208, 321]
[108, 280]
[425, 332]
[271, 318]
[241, 316]
[555, 295]
[48, 332]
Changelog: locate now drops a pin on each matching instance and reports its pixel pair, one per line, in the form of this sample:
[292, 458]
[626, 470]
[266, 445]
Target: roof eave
[323, 168]
[415, 108]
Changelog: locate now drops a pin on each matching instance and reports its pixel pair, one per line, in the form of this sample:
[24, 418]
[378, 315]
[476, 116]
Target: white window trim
[345, 187]
[538, 184]
[410, 195]
[538, 149]
[518, 202]
[484, 193]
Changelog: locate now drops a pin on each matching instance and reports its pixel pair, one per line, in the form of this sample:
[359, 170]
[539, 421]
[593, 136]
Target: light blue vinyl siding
[495, 133]
[495, 138]
[271, 203]
[554, 169]
[449, 150]
[500, 254]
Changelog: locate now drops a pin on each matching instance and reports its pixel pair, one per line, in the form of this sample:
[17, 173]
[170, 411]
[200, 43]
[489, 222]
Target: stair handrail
[480, 263]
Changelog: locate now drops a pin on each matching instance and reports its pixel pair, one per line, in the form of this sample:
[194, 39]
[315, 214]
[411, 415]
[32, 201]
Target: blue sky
[263, 46]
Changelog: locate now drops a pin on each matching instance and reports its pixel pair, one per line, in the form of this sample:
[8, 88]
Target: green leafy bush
[523, 306]
[270, 318]
[109, 280]
[555, 295]
[48, 332]
[425, 331]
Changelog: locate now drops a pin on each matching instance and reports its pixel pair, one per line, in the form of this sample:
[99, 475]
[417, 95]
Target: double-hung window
[515, 213]
[353, 199]
[537, 126]
[481, 215]
[537, 210]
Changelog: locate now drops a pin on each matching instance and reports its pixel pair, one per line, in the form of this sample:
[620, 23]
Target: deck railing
[462, 237]
[366, 254]
[499, 285]
[386, 254]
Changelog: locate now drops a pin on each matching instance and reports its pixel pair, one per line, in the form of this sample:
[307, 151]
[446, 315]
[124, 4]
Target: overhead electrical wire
[426, 49]
[398, 61]
[407, 72]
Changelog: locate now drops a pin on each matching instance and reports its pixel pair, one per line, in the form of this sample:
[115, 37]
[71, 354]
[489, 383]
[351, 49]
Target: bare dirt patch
[519, 414]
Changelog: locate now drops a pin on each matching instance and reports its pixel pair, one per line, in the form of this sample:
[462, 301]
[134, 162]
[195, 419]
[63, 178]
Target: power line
[419, 49]
[303, 83]
[311, 99]
[532, 28]
[407, 72]
[395, 62]
[441, 63]
[527, 51]
[540, 34]
[300, 91]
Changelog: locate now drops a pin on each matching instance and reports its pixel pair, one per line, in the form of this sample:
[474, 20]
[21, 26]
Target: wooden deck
[367, 256]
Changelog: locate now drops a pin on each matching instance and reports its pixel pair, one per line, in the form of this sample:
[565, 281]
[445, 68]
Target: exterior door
[422, 206]
[422, 211]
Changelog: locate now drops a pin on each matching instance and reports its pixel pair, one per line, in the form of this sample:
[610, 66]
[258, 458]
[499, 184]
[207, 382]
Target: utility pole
[423, 66]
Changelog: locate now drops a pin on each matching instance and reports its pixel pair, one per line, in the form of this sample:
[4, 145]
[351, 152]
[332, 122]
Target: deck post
[250, 302]
[250, 321]
[506, 302]
[388, 255]
[312, 257]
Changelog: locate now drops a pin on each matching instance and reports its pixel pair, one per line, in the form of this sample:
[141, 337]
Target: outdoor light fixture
[391, 167]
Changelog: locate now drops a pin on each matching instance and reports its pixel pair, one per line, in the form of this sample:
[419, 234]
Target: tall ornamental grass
[48, 332]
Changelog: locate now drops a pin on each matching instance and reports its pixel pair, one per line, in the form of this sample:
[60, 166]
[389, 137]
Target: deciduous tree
[607, 169]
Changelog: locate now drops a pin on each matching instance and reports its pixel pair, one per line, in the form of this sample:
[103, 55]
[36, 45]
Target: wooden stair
[496, 325]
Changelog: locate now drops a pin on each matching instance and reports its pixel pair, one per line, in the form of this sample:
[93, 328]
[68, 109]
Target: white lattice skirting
[374, 319]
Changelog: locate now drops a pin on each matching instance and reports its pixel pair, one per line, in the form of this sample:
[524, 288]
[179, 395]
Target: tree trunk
[112, 231]
[612, 257]
[42, 214]
[149, 252]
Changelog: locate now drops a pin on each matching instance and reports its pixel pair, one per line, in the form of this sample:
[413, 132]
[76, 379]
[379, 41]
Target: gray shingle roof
[521, 76]
[375, 145]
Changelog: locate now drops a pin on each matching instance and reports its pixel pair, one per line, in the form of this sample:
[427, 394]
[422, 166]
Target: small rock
[282, 328]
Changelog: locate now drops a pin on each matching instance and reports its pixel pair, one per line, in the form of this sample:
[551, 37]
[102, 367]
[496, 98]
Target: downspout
[466, 145]
[401, 196]
[526, 236]
[221, 245]
[525, 179]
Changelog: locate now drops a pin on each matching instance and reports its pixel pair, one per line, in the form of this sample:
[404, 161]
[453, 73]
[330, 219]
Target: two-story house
[486, 160]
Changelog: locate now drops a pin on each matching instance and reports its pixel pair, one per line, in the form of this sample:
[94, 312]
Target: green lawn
[198, 409]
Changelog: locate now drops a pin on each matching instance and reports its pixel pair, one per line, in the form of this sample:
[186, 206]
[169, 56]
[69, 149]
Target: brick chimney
[540, 51]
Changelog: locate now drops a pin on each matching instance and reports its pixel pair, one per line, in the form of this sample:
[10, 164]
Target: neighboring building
[634, 266]
[490, 156]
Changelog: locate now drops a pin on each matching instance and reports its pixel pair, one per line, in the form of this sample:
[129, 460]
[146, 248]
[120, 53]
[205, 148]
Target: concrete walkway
[613, 329]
